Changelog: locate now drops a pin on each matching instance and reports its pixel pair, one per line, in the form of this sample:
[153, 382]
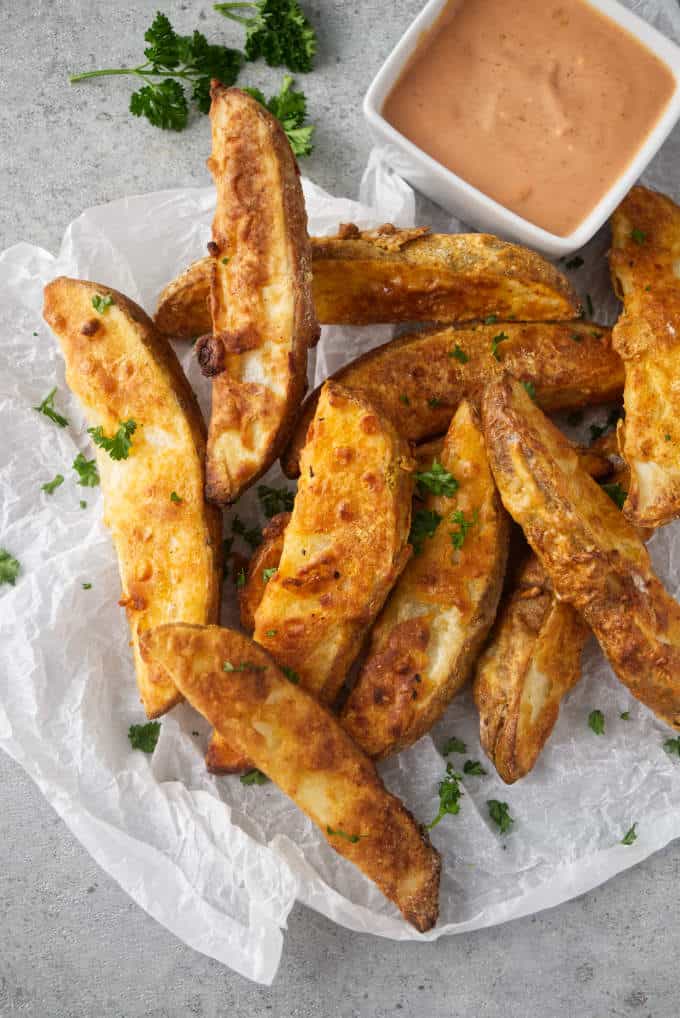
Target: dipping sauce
[540, 104]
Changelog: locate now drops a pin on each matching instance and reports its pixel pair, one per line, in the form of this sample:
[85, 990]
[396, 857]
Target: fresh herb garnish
[630, 836]
[500, 814]
[454, 745]
[352, 838]
[176, 59]
[268, 573]
[434, 402]
[9, 567]
[597, 430]
[88, 475]
[577, 337]
[47, 408]
[87, 586]
[672, 746]
[574, 263]
[617, 494]
[625, 715]
[403, 398]
[495, 343]
[423, 525]
[667, 437]
[596, 722]
[491, 319]
[458, 536]
[102, 304]
[275, 500]
[144, 737]
[51, 486]
[459, 354]
[243, 666]
[251, 535]
[277, 30]
[271, 632]
[638, 236]
[437, 480]
[449, 795]
[82, 504]
[290, 109]
[174, 497]
[473, 767]
[241, 578]
[254, 777]
[530, 390]
[291, 675]
[118, 446]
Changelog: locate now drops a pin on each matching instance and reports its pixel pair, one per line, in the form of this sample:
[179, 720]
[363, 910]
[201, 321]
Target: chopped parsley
[241, 578]
[574, 263]
[291, 675]
[597, 430]
[267, 574]
[244, 666]
[500, 814]
[437, 480]
[625, 715]
[577, 337]
[290, 109]
[596, 722]
[630, 836]
[276, 30]
[638, 236]
[491, 319]
[617, 494]
[174, 497]
[667, 437]
[473, 767]
[144, 737]
[51, 486]
[88, 475]
[459, 354]
[102, 304]
[254, 777]
[449, 792]
[251, 535]
[672, 746]
[9, 568]
[47, 408]
[496, 342]
[423, 525]
[454, 745]
[118, 446]
[403, 398]
[458, 536]
[82, 504]
[87, 586]
[434, 402]
[271, 632]
[275, 500]
[530, 390]
[352, 838]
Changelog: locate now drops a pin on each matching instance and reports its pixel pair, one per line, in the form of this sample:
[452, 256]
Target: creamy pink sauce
[540, 104]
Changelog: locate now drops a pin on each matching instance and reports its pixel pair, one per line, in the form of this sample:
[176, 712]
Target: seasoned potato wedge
[260, 295]
[435, 620]
[391, 275]
[418, 380]
[345, 545]
[298, 744]
[595, 559]
[266, 557]
[645, 266]
[121, 369]
[532, 660]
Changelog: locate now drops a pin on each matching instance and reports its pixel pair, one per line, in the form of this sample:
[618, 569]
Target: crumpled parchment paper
[218, 863]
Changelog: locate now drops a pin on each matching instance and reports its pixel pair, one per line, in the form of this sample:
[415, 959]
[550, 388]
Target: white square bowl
[473, 206]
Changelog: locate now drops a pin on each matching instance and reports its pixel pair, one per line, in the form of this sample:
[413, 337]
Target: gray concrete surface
[72, 945]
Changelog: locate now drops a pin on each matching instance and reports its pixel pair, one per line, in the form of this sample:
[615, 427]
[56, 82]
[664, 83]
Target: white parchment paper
[218, 863]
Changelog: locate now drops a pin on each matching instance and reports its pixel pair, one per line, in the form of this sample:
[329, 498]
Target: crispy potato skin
[435, 620]
[260, 294]
[301, 746]
[345, 545]
[266, 556]
[532, 660]
[646, 274]
[595, 559]
[168, 553]
[418, 383]
[391, 275]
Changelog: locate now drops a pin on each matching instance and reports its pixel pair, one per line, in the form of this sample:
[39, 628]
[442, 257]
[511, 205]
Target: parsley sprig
[423, 525]
[290, 109]
[9, 568]
[500, 814]
[47, 408]
[176, 59]
[458, 536]
[276, 30]
[88, 475]
[275, 500]
[449, 795]
[437, 480]
[144, 737]
[118, 446]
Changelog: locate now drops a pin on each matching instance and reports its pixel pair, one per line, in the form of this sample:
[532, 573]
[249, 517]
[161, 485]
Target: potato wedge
[532, 660]
[427, 637]
[260, 295]
[121, 369]
[645, 266]
[392, 275]
[419, 379]
[593, 556]
[298, 744]
[345, 545]
[265, 557]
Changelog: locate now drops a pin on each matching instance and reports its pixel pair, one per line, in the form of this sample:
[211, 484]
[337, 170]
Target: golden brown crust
[345, 544]
[298, 744]
[121, 370]
[418, 380]
[645, 266]
[435, 620]
[260, 293]
[392, 275]
[594, 557]
[532, 660]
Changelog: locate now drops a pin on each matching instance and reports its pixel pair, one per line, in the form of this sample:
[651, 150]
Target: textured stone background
[71, 943]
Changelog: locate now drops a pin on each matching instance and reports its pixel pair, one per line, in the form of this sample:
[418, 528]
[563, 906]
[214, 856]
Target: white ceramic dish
[473, 206]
